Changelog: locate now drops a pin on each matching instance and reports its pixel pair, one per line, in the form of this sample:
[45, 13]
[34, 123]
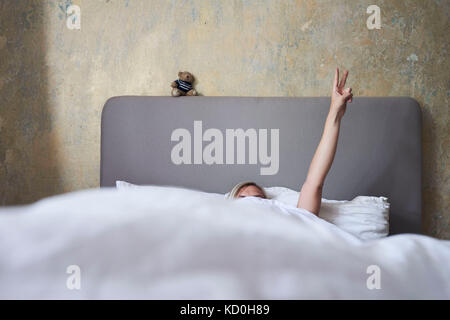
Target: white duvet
[167, 243]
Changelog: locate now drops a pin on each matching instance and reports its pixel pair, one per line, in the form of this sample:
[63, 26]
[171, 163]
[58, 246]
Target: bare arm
[311, 192]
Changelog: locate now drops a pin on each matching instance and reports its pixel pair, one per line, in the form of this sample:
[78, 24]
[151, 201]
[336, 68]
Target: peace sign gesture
[339, 94]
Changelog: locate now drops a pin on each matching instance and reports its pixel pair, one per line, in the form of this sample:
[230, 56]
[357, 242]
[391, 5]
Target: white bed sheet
[168, 243]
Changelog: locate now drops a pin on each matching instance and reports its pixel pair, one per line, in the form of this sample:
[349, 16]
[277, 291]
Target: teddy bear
[183, 86]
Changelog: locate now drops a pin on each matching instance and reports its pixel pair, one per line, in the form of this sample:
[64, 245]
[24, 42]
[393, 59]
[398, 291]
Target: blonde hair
[235, 191]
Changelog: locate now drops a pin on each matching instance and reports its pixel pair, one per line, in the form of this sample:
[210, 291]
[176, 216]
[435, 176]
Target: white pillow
[365, 217]
[126, 185]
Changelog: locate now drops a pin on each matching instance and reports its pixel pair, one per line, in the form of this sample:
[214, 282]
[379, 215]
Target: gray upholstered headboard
[379, 150]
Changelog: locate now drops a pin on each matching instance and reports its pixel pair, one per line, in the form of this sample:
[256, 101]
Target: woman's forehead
[250, 188]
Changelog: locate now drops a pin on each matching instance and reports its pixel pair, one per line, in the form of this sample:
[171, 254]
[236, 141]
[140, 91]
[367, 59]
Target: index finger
[343, 80]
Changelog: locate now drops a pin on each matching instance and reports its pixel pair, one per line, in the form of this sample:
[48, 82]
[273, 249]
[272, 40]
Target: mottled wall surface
[54, 81]
[29, 146]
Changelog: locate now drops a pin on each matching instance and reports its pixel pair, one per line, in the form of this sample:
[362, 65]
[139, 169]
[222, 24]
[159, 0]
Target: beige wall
[54, 81]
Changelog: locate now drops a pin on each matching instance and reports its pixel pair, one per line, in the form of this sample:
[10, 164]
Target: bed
[379, 150]
[177, 237]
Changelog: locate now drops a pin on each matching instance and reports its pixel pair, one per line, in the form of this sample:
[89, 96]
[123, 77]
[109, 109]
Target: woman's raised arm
[311, 192]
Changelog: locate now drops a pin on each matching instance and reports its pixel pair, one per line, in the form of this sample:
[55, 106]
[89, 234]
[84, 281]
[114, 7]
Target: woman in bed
[311, 193]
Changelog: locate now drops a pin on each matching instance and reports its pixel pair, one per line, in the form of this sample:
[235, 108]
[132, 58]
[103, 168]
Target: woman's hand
[339, 95]
[311, 194]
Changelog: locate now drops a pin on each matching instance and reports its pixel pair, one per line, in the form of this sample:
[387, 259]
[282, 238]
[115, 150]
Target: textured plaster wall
[54, 81]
